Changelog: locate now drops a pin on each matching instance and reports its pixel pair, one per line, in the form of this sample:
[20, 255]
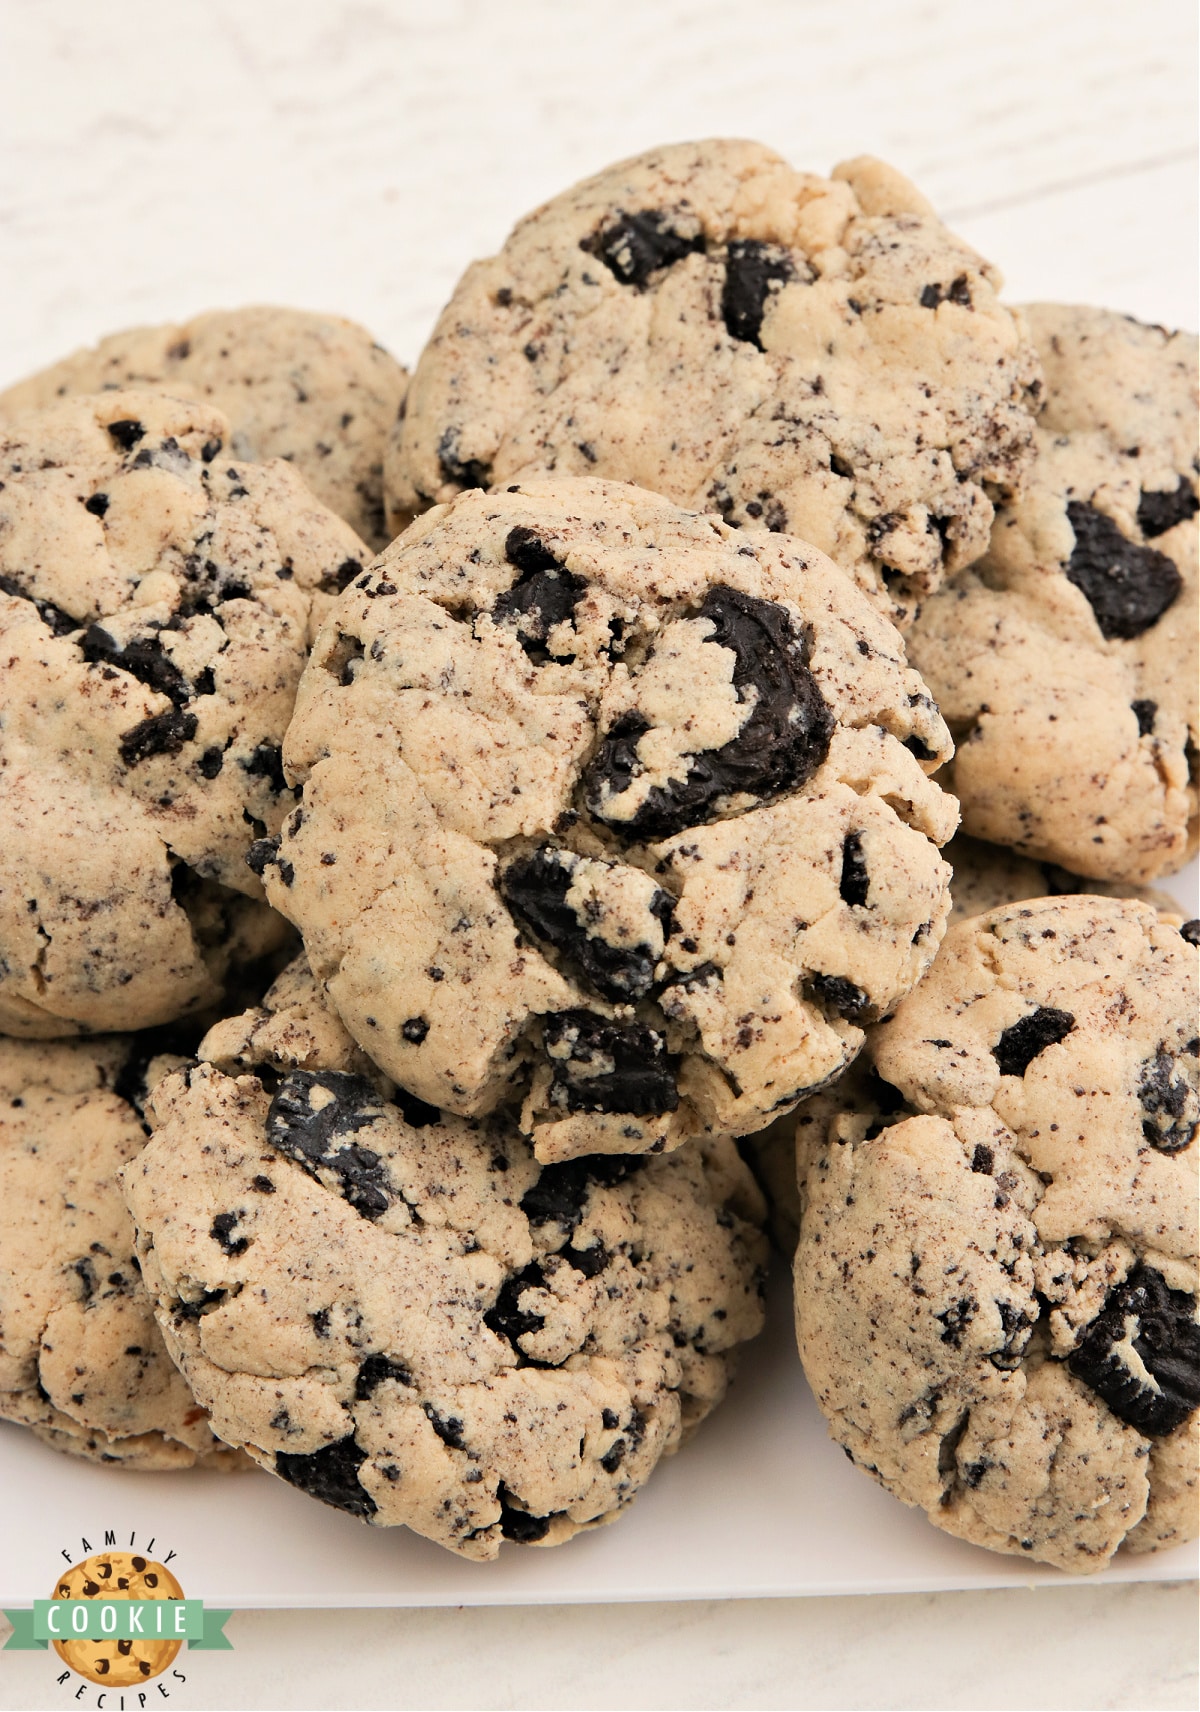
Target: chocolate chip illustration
[1128, 586]
[1020, 1044]
[782, 743]
[634, 246]
[1158, 512]
[312, 1113]
[330, 1474]
[535, 889]
[1158, 1325]
[1144, 712]
[753, 270]
[601, 1066]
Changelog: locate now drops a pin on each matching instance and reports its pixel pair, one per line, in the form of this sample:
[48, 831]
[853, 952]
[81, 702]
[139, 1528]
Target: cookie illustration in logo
[118, 1575]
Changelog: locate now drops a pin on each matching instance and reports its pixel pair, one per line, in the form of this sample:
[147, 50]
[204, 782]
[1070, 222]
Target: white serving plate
[760, 1503]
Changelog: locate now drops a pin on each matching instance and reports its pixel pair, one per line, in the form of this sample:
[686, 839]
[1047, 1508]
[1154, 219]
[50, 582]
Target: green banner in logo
[118, 1620]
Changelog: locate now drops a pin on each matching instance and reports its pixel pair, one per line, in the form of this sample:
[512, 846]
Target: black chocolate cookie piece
[330, 1474]
[161, 734]
[602, 1066]
[753, 270]
[143, 657]
[1128, 586]
[1020, 1044]
[57, 622]
[310, 1118]
[634, 246]
[782, 743]
[544, 594]
[1158, 512]
[1170, 1101]
[1159, 1324]
[561, 1191]
[535, 889]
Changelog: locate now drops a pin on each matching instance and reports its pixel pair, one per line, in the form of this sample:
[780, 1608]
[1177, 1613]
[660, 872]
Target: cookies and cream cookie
[403, 1314]
[610, 806]
[82, 1363]
[996, 1278]
[818, 356]
[155, 599]
[1066, 662]
[316, 390]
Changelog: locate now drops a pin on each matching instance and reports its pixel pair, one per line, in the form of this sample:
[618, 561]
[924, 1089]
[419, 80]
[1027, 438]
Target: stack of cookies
[494, 933]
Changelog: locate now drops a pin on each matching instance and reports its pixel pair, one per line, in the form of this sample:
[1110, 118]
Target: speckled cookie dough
[403, 1315]
[155, 597]
[986, 876]
[996, 1280]
[809, 355]
[313, 389]
[611, 806]
[1066, 663]
[81, 1360]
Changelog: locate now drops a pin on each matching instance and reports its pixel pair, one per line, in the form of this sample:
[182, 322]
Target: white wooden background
[161, 156]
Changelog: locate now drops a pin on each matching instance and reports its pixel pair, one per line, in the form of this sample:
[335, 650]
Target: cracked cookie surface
[315, 390]
[996, 1279]
[611, 807]
[815, 356]
[82, 1363]
[402, 1314]
[1066, 662]
[155, 597]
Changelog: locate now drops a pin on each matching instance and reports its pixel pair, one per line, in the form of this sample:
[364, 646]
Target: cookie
[155, 596]
[112, 1575]
[611, 807]
[1066, 662]
[313, 389]
[402, 1314]
[82, 1363]
[814, 356]
[986, 876]
[996, 1279]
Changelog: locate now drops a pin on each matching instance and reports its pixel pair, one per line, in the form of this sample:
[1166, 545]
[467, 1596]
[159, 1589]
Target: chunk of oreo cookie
[634, 246]
[535, 889]
[1020, 1044]
[753, 271]
[162, 734]
[330, 1474]
[561, 1191]
[1170, 1101]
[312, 1114]
[1142, 1353]
[143, 657]
[1158, 512]
[1127, 586]
[601, 1066]
[544, 595]
[782, 743]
